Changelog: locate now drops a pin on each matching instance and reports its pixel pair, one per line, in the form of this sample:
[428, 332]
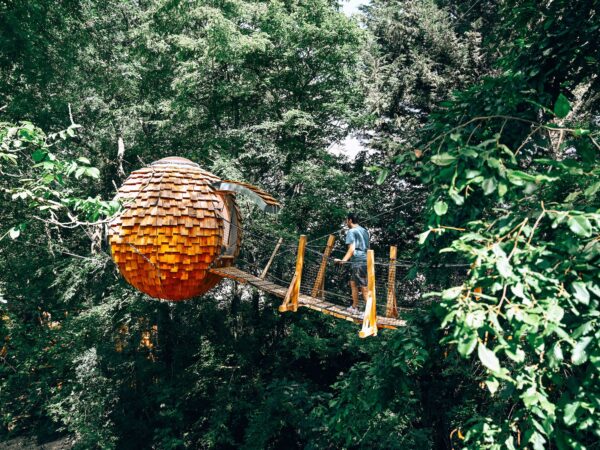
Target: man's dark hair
[353, 217]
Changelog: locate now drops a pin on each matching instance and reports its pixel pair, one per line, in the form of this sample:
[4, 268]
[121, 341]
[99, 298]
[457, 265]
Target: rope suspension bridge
[307, 276]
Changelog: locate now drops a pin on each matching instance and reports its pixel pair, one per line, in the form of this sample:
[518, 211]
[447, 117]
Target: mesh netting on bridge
[257, 251]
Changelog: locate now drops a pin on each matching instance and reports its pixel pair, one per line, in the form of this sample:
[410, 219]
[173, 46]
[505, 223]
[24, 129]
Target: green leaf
[489, 186]
[502, 263]
[517, 356]
[572, 197]
[570, 416]
[538, 441]
[530, 397]
[591, 190]
[83, 160]
[581, 132]
[557, 352]
[555, 313]
[580, 292]
[38, 156]
[492, 385]
[517, 290]
[423, 236]
[504, 267]
[562, 107]
[443, 159]
[440, 208]
[469, 152]
[459, 200]
[580, 355]
[488, 358]
[92, 172]
[594, 288]
[466, 346]
[580, 225]
[518, 177]
[452, 293]
[475, 319]
[502, 189]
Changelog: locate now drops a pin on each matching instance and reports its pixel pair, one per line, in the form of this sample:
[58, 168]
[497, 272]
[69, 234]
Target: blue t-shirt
[360, 238]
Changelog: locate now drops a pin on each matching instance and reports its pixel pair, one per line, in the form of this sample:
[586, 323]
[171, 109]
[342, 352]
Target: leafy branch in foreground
[513, 166]
[33, 169]
[526, 218]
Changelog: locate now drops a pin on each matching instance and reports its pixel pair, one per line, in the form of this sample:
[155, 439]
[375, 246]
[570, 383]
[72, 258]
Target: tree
[514, 170]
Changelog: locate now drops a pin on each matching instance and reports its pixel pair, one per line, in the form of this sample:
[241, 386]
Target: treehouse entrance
[231, 226]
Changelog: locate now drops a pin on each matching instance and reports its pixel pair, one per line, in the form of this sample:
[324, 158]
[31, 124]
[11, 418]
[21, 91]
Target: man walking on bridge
[357, 240]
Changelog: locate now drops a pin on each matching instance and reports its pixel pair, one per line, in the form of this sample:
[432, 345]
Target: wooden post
[290, 302]
[318, 288]
[391, 309]
[369, 327]
[266, 269]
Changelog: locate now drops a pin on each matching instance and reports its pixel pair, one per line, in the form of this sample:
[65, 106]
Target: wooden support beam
[290, 302]
[369, 327]
[318, 289]
[391, 309]
[268, 266]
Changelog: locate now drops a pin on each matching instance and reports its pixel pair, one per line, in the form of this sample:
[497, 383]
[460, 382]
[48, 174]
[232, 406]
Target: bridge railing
[309, 269]
[317, 276]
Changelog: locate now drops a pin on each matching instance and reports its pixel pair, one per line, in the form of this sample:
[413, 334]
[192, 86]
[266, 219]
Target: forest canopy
[479, 124]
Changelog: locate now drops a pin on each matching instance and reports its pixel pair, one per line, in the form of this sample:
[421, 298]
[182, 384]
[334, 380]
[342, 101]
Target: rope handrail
[344, 299]
[401, 263]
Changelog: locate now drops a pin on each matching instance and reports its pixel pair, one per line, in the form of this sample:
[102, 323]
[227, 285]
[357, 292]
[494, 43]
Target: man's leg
[354, 288]
[365, 292]
[362, 276]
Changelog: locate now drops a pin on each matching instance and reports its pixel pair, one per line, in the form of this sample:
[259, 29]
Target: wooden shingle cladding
[171, 230]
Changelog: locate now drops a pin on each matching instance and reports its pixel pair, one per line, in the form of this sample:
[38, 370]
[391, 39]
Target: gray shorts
[359, 274]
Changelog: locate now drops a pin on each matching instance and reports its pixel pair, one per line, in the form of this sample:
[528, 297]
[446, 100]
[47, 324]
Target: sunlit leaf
[452, 293]
[440, 208]
[580, 225]
[423, 236]
[488, 358]
[466, 346]
[580, 355]
[580, 292]
[492, 386]
[443, 159]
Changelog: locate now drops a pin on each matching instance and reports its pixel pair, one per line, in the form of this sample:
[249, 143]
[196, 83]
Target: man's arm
[348, 254]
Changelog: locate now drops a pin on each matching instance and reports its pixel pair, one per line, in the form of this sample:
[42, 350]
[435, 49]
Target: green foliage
[380, 397]
[523, 213]
[86, 409]
[37, 171]
[482, 122]
[416, 60]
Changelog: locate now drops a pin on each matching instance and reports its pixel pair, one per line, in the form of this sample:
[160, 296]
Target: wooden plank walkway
[304, 300]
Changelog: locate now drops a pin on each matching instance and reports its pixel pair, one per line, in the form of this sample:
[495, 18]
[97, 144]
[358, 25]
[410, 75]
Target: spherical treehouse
[178, 221]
